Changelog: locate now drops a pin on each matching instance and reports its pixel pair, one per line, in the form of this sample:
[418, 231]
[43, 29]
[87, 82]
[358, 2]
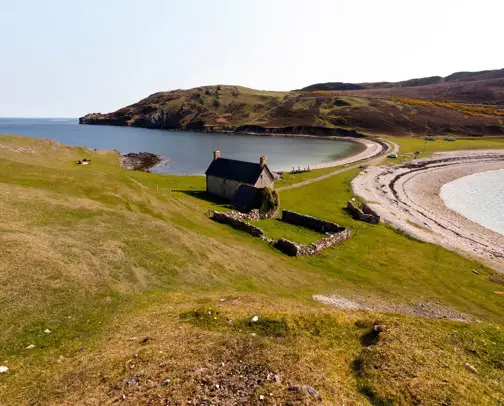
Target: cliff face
[238, 109]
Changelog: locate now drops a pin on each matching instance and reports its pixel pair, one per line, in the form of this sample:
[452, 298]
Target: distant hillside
[418, 106]
[464, 87]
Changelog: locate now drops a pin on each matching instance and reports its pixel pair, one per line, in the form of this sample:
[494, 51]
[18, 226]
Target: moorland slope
[460, 104]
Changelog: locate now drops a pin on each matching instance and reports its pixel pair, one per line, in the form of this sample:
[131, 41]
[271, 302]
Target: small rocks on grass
[3, 369]
[474, 271]
[471, 368]
[261, 397]
[31, 347]
[254, 319]
[166, 382]
[306, 390]
[379, 328]
[47, 331]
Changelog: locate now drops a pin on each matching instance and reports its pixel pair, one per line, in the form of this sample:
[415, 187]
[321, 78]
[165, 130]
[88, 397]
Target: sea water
[478, 197]
[186, 152]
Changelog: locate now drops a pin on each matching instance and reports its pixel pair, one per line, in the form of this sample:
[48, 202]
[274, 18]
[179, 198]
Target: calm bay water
[187, 152]
[478, 197]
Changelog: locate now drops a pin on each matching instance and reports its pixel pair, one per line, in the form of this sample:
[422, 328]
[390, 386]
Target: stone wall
[365, 214]
[310, 222]
[236, 223]
[294, 249]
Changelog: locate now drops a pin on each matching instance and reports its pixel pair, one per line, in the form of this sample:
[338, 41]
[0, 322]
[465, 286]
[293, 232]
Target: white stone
[31, 346]
[3, 369]
[47, 331]
[255, 319]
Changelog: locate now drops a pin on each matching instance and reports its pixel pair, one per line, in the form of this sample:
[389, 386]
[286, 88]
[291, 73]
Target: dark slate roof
[246, 198]
[240, 171]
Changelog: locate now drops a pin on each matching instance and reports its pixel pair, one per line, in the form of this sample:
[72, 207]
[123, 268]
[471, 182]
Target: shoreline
[408, 197]
[369, 149]
[451, 202]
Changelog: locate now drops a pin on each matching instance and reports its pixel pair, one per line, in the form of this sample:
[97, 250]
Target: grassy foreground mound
[145, 300]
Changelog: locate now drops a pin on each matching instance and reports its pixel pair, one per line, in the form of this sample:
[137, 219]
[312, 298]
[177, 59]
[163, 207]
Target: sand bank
[407, 197]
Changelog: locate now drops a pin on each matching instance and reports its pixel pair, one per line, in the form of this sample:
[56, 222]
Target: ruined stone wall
[294, 249]
[225, 218]
[237, 221]
[365, 214]
[313, 223]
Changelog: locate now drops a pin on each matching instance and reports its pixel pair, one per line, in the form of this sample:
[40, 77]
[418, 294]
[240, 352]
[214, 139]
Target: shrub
[269, 200]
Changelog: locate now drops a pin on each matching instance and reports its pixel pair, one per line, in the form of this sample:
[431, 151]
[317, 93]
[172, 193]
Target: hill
[116, 291]
[417, 107]
[485, 87]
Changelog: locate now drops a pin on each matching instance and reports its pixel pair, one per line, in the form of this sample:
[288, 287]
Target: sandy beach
[370, 149]
[407, 197]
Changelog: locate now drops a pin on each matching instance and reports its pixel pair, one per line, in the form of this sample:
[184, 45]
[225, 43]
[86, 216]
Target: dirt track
[407, 196]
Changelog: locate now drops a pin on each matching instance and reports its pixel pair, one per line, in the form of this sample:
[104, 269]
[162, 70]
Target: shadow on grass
[207, 197]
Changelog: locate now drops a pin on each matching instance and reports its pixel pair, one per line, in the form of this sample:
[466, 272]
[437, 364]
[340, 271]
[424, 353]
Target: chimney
[263, 161]
[216, 154]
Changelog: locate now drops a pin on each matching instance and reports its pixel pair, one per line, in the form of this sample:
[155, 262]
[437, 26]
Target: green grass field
[138, 286]
[408, 145]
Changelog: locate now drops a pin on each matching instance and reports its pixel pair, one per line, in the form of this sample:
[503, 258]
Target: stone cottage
[224, 176]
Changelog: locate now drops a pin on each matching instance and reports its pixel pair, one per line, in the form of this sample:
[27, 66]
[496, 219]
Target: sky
[63, 58]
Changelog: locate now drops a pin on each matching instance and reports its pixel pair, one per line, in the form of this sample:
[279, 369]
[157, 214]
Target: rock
[141, 161]
[255, 319]
[47, 331]
[261, 397]
[166, 382]
[474, 271]
[471, 368]
[306, 390]
[31, 347]
[3, 369]
[379, 328]
[131, 381]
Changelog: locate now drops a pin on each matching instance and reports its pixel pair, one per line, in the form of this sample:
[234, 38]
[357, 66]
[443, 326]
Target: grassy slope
[103, 258]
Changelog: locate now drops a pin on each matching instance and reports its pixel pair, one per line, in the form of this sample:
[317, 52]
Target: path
[392, 148]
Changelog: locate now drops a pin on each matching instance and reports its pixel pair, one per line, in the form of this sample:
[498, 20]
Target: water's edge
[478, 197]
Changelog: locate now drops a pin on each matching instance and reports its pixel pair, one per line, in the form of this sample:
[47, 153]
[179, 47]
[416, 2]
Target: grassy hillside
[234, 108]
[146, 299]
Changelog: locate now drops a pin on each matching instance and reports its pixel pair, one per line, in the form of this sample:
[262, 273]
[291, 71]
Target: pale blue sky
[63, 58]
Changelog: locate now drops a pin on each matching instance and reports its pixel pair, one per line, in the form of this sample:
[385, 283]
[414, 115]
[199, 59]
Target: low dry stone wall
[313, 223]
[237, 223]
[296, 250]
[365, 214]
